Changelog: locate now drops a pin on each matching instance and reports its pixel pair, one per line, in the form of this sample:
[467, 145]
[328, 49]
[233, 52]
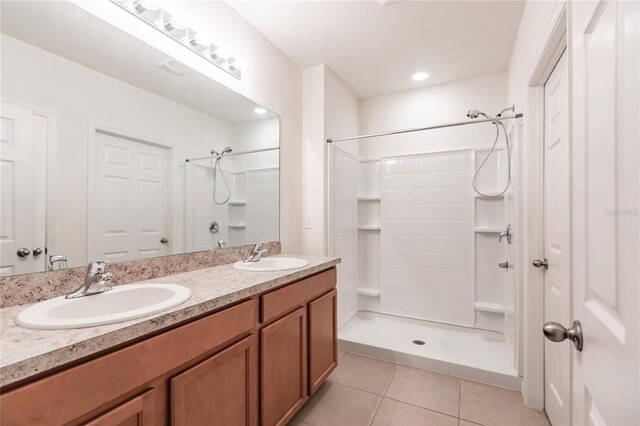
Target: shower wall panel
[427, 237]
[345, 219]
[263, 206]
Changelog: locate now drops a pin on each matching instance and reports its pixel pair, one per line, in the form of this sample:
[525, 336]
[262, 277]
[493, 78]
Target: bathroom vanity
[248, 351]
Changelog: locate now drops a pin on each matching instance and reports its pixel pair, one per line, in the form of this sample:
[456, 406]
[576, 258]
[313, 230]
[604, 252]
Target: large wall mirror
[112, 150]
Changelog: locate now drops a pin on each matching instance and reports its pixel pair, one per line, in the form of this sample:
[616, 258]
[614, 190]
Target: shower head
[474, 113]
[226, 150]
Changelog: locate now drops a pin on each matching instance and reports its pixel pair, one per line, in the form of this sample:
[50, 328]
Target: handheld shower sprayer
[474, 113]
[216, 167]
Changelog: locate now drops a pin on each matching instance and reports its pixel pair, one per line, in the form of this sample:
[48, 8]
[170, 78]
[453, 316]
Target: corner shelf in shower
[369, 227]
[366, 291]
[490, 307]
[237, 203]
[492, 197]
[369, 198]
[237, 225]
[487, 230]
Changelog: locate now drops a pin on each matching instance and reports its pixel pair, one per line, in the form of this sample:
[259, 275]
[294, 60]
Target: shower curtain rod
[419, 129]
[252, 151]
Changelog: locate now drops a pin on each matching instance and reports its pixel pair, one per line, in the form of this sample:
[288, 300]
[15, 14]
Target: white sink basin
[124, 302]
[272, 264]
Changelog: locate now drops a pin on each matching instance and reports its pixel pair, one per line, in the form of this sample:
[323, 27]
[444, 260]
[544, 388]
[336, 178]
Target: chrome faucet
[94, 282]
[257, 251]
[507, 234]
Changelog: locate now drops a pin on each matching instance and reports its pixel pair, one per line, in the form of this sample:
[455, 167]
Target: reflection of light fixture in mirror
[167, 23]
[217, 54]
[236, 66]
[260, 110]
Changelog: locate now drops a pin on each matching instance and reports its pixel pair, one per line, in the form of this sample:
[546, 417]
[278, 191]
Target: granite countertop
[25, 352]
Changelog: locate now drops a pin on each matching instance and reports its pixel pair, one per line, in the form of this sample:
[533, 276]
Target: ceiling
[83, 38]
[375, 46]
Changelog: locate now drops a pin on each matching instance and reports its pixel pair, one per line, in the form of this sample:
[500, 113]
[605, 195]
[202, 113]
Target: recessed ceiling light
[420, 75]
[259, 110]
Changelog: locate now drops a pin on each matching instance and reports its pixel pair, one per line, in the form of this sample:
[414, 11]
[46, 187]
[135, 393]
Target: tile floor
[365, 391]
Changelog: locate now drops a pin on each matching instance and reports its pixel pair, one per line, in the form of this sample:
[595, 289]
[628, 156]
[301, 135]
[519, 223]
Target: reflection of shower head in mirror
[226, 150]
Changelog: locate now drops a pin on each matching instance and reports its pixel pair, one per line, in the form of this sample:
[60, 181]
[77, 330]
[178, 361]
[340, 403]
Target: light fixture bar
[164, 22]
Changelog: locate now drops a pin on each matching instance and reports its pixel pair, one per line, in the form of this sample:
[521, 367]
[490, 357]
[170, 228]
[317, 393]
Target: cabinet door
[284, 368]
[222, 390]
[138, 411]
[323, 348]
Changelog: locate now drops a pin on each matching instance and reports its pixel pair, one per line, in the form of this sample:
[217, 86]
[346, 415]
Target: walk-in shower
[417, 227]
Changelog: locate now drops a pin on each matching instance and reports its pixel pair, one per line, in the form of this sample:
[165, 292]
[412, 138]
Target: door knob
[541, 263]
[23, 252]
[163, 240]
[37, 251]
[557, 333]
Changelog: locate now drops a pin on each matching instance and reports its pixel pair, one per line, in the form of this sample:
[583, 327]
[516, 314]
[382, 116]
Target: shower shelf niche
[488, 230]
[237, 202]
[369, 229]
[365, 291]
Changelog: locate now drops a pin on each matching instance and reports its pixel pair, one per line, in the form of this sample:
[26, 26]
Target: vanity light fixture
[420, 75]
[259, 110]
[165, 22]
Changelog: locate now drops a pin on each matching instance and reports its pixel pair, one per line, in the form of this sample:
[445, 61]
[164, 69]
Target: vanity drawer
[71, 394]
[287, 298]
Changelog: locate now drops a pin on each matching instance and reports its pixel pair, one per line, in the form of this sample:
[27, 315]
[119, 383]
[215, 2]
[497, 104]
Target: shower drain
[418, 342]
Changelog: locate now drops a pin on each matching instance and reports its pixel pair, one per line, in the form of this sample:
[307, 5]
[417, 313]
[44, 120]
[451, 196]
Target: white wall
[445, 103]
[329, 110]
[271, 79]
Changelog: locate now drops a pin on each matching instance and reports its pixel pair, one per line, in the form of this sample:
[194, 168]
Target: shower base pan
[468, 353]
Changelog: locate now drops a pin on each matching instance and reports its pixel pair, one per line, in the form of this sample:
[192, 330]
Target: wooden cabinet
[222, 390]
[323, 342]
[283, 357]
[139, 411]
[255, 362]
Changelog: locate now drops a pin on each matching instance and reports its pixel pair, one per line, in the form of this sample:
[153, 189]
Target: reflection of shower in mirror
[218, 166]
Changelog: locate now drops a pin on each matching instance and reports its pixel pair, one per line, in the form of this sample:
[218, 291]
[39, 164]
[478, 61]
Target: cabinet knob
[164, 240]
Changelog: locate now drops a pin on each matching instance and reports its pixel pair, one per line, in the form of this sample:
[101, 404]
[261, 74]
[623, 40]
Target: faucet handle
[97, 267]
[257, 246]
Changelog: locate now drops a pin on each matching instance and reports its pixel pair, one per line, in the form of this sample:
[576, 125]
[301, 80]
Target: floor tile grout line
[459, 399]
[423, 408]
[395, 369]
[377, 409]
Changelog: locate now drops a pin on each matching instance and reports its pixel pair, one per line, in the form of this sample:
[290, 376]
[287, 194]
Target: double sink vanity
[244, 343]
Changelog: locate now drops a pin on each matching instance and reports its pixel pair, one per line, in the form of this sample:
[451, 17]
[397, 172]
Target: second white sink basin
[124, 302]
[272, 264]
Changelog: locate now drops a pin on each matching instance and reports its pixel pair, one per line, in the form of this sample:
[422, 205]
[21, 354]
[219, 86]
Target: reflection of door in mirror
[129, 209]
[22, 192]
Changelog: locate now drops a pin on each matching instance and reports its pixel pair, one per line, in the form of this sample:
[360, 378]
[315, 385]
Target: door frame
[95, 127]
[531, 202]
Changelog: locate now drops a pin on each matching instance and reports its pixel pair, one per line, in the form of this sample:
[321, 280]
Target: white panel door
[557, 294]
[20, 194]
[606, 224]
[129, 211]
